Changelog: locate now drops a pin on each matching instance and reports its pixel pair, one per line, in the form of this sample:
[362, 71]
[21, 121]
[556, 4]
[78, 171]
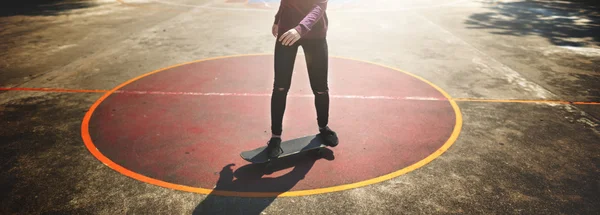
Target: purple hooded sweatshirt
[308, 17]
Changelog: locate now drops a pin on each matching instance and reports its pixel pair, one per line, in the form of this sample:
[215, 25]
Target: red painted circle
[185, 125]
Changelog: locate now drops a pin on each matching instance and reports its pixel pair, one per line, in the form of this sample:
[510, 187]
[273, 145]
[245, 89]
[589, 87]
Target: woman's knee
[280, 90]
[321, 92]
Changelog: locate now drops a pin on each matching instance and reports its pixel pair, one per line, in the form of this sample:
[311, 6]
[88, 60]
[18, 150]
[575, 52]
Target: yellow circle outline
[91, 147]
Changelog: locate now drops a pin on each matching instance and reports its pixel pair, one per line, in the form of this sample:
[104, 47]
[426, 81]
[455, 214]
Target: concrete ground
[524, 73]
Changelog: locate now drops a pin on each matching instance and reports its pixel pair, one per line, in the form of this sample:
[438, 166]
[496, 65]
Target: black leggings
[316, 54]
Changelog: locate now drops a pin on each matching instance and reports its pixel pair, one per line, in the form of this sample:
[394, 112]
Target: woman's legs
[317, 62]
[285, 57]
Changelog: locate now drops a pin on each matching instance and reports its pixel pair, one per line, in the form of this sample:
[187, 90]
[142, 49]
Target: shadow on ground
[565, 23]
[39, 151]
[252, 178]
[41, 7]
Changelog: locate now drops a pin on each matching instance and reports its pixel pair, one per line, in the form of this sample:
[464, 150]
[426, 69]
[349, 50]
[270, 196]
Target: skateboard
[290, 147]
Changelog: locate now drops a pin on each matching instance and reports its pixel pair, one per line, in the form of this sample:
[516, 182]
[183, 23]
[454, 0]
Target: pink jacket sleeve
[317, 12]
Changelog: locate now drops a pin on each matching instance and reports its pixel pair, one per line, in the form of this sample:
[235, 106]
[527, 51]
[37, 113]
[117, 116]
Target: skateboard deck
[289, 147]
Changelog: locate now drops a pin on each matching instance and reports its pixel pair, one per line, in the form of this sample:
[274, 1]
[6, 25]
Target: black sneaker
[274, 147]
[329, 137]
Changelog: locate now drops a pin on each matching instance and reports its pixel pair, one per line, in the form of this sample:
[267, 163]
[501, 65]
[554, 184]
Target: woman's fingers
[288, 40]
[283, 36]
[285, 39]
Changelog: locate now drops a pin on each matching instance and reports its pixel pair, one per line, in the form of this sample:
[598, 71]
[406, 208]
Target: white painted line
[417, 98]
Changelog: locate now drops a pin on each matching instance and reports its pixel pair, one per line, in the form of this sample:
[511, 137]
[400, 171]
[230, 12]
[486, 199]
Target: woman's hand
[290, 37]
[274, 30]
